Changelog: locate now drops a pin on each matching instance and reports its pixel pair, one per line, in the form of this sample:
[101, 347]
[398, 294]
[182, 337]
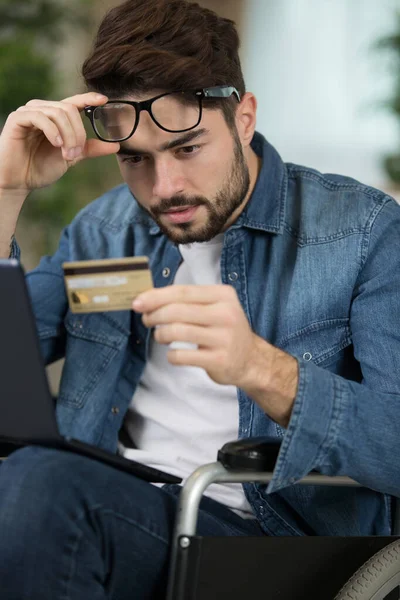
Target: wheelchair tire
[379, 576]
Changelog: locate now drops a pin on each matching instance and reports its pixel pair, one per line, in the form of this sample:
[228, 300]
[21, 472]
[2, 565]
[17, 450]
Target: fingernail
[71, 153]
[59, 140]
[77, 151]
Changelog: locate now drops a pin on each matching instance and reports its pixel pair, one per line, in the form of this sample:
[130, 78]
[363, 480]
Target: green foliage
[54, 207]
[44, 21]
[22, 79]
[391, 44]
[31, 31]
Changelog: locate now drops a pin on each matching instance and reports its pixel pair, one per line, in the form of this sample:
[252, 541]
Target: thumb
[94, 148]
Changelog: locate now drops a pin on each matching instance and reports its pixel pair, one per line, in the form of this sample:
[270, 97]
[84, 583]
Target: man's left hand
[227, 349]
[209, 316]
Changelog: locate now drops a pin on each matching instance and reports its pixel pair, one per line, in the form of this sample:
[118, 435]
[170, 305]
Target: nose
[168, 179]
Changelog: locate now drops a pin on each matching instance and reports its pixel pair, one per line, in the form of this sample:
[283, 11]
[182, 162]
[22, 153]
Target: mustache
[177, 202]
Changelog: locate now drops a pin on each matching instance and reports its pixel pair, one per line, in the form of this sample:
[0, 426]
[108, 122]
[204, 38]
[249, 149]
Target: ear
[246, 118]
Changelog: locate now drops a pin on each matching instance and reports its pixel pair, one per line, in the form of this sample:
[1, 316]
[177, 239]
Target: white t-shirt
[179, 418]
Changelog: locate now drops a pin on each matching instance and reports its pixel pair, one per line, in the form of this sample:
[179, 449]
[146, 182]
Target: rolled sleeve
[313, 426]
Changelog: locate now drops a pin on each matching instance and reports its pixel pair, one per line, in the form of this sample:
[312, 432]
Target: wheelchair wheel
[377, 579]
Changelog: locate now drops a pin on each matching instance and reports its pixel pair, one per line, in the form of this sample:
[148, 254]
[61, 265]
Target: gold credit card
[108, 284]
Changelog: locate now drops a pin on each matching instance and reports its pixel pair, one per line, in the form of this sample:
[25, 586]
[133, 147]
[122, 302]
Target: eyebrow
[180, 141]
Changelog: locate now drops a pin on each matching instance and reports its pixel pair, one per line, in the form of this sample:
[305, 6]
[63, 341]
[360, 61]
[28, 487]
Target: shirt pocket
[93, 342]
[323, 342]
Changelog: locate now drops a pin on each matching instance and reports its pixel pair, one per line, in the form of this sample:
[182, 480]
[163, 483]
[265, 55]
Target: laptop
[27, 408]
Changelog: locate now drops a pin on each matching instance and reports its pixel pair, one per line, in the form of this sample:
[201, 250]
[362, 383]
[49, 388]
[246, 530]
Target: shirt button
[233, 276]
[115, 410]
[307, 356]
[138, 341]
[165, 272]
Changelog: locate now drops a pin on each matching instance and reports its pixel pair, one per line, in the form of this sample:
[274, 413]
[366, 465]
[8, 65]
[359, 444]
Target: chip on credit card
[107, 284]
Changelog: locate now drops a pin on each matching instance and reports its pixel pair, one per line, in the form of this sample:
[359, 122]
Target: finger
[199, 294]
[182, 332]
[196, 314]
[61, 119]
[90, 98]
[28, 119]
[204, 359]
[72, 113]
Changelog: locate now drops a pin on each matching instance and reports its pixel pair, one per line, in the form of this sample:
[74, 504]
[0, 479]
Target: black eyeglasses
[118, 120]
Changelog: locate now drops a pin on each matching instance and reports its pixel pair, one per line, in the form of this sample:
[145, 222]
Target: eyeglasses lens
[176, 112]
[114, 121]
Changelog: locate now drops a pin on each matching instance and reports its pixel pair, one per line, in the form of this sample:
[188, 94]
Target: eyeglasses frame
[224, 91]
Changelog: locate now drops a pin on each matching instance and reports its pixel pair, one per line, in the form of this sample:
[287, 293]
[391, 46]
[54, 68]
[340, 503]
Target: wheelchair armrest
[240, 461]
[252, 454]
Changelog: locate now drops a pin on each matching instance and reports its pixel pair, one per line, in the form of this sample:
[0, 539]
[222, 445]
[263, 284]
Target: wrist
[13, 198]
[272, 380]
[11, 202]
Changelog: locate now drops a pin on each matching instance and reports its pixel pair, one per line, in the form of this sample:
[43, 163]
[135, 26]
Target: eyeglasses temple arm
[221, 92]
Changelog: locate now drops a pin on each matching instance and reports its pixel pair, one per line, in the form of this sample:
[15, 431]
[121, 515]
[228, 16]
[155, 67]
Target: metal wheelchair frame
[185, 541]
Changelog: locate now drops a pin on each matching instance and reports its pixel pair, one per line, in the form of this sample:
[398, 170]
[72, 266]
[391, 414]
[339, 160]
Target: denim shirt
[315, 262]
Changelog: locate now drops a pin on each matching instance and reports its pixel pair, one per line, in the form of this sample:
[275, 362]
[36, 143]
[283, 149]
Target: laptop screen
[26, 406]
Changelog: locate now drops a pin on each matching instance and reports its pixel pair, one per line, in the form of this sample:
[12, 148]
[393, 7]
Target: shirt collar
[265, 209]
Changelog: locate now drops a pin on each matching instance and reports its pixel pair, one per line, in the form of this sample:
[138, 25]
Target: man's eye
[189, 149]
[134, 160]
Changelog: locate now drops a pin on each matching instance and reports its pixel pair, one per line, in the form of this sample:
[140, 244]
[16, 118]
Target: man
[275, 313]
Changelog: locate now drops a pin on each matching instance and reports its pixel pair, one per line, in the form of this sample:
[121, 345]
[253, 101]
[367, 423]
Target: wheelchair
[274, 568]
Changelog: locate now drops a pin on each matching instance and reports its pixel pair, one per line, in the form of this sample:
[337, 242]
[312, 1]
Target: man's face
[191, 187]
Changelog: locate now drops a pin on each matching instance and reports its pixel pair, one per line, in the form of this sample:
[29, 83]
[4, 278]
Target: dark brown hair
[168, 45]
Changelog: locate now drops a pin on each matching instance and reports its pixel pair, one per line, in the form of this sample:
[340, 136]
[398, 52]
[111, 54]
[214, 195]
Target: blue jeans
[72, 528]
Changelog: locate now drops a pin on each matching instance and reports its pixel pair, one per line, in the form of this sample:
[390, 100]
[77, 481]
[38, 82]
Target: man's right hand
[42, 140]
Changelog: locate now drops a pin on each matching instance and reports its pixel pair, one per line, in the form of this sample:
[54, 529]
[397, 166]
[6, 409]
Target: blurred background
[326, 74]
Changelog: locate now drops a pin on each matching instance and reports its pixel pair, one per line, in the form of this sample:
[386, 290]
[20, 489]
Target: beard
[227, 200]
